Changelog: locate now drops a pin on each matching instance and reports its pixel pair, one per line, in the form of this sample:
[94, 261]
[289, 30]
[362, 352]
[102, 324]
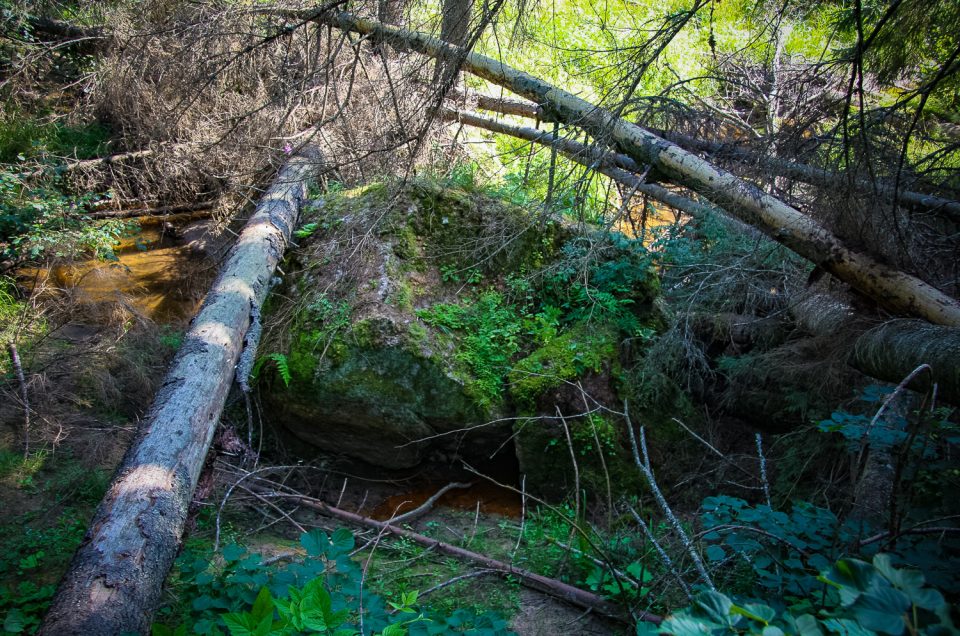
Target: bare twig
[24, 396]
[647, 472]
[664, 557]
[427, 505]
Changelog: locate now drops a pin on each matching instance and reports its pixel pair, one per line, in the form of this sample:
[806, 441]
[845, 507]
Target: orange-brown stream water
[491, 498]
[152, 276]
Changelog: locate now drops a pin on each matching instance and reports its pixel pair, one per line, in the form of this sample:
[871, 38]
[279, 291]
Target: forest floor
[112, 329]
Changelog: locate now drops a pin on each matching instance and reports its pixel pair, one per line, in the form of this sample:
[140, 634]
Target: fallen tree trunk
[780, 167]
[117, 573]
[894, 289]
[160, 211]
[618, 167]
[891, 350]
[553, 587]
[83, 164]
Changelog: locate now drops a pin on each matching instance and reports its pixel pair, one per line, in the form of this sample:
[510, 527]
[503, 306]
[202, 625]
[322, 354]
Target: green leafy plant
[321, 594]
[490, 336]
[786, 550]
[870, 598]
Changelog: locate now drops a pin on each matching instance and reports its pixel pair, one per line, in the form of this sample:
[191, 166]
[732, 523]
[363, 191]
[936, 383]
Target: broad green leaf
[15, 621]
[846, 627]
[394, 630]
[637, 571]
[882, 610]
[717, 608]
[807, 626]
[315, 542]
[756, 612]
[240, 624]
[263, 605]
[716, 553]
[342, 540]
[233, 552]
[681, 625]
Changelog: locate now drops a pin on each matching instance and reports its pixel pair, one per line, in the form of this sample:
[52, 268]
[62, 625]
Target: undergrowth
[325, 592]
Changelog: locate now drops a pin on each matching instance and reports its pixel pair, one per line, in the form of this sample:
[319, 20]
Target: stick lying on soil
[558, 589]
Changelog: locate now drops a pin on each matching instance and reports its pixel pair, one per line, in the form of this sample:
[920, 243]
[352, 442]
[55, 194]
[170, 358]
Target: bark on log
[735, 152]
[891, 350]
[899, 291]
[558, 589]
[116, 575]
[618, 167]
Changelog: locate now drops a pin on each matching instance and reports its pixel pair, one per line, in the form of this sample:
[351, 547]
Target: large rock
[368, 377]
[411, 319]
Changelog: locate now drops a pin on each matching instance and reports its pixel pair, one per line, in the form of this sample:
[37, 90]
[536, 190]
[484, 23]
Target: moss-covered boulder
[367, 376]
[415, 315]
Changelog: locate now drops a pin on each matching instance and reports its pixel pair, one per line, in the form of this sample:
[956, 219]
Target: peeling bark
[117, 573]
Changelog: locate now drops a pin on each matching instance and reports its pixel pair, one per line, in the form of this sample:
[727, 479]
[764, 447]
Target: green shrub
[320, 595]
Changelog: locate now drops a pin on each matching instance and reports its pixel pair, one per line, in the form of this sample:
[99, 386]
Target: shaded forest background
[776, 396]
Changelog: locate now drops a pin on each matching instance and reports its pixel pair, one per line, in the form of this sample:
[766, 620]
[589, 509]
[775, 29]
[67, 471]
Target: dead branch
[557, 589]
[735, 152]
[24, 396]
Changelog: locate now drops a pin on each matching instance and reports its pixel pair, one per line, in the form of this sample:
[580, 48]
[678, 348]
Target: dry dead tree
[785, 224]
[117, 574]
[738, 152]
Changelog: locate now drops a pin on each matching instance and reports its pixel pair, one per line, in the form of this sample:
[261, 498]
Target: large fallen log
[888, 351]
[894, 289]
[736, 152]
[117, 573]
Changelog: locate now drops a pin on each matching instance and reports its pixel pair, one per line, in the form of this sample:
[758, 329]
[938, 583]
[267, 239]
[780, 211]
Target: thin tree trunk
[159, 211]
[618, 167]
[735, 152]
[24, 394]
[117, 574]
[788, 226]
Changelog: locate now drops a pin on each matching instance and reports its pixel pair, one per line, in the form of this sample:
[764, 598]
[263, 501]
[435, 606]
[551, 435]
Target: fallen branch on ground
[557, 589]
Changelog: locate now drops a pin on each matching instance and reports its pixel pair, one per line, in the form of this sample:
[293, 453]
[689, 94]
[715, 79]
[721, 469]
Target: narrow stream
[155, 275]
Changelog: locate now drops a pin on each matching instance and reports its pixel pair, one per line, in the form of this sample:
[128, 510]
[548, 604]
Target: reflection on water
[492, 498]
[153, 276]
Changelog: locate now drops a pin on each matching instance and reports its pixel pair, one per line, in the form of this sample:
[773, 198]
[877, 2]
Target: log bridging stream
[117, 574]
